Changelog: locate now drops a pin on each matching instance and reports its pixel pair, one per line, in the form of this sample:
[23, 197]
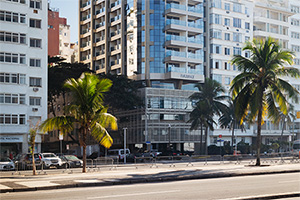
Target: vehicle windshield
[5, 160]
[296, 146]
[50, 155]
[71, 158]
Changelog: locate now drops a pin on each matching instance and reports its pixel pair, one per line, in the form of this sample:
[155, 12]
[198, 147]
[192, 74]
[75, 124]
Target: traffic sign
[220, 140]
[148, 142]
[220, 136]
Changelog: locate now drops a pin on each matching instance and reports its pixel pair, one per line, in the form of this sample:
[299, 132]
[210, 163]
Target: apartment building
[157, 42]
[23, 73]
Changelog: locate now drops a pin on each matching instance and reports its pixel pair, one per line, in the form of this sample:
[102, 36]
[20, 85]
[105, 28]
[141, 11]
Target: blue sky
[69, 10]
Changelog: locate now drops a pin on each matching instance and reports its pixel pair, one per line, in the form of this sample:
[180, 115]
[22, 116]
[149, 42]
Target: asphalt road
[218, 188]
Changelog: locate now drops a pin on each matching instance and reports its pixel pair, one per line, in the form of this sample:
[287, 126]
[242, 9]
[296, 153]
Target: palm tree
[208, 103]
[229, 120]
[201, 117]
[86, 111]
[258, 89]
[286, 119]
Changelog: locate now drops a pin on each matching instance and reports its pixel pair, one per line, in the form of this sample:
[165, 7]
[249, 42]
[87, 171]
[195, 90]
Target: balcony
[175, 22]
[85, 4]
[186, 70]
[195, 9]
[175, 6]
[85, 44]
[102, 10]
[115, 4]
[86, 17]
[175, 37]
[99, 39]
[175, 53]
[84, 31]
[114, 33]
[99, 25]
[195, 25]
[87, 57]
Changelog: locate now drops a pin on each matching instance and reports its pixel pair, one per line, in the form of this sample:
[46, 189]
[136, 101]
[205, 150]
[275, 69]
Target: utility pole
[169, 127]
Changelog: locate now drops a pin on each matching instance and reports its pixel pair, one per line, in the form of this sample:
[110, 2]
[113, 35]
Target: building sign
[187, 76]
[298, 114]
[11, 138]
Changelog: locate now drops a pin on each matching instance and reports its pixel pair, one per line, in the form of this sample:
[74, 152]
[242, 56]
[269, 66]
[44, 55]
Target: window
[237, 51]
[35, 101]
[295, 35]
[227, 51]
[35, 82]
[35, 43]
[12, 58]
[227, 36]
[247, 54]
[12, 17]
[12, 119]
[217, 77]
[227, 80]
[295, 22]
[18, 1]
[214, 48]
[295, 9]
[12, 98]
[247, 38]
[295, 48]
[297, 61]
[12, 78]
[237, 7]
[226, 66]
[35, 4]
[247, 25]
[237, 22]
[35, 62]
[35, 23]
[237, 37]
[215, 19]
[227, 22]
[227, 6]
[216, 3]
[246, 11]
[216, 33]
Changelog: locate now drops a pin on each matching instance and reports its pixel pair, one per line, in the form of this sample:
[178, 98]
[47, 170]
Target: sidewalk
[129, 175]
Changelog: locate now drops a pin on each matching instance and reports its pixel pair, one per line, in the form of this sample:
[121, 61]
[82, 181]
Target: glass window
[227, 36]
[237, 22]
[22, 99]
[227, 6]
[23, 38]
[237, 7]
[22, 119]
[22, 78]
[227, 22]
[22, 59]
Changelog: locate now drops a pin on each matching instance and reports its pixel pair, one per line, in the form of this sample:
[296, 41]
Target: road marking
[288, 181]
[136, 194]
[262, 196]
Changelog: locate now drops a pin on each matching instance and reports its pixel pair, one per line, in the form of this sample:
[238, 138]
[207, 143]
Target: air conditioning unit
[35, 109]
[35, 11]
[227, 12]
[248, 15]
[35, 89]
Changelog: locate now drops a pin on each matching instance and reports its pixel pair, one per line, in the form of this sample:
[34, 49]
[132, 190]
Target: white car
[50, 159]
[6, 164]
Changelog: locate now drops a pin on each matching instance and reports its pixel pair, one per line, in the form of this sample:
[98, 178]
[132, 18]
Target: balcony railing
[85, 44]
[176, 6]
[115, 18]
[184, 70]
[195, 9]
[99, 39]
[99, 11]
[115, 4]
[85, 57]
[175, 37]
[195, 40]
[176, 22]
[85, 4]
[99, 25]
[115, 62]
[86, 17]
[194, 56]
[115, 33]
[84, 31]
[195, 25]
[175, 53]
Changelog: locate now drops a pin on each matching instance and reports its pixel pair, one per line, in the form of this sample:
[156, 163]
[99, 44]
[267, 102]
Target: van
[113, 153]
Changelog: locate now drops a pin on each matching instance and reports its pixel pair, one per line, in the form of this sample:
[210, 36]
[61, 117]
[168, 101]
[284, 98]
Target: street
[216, 188]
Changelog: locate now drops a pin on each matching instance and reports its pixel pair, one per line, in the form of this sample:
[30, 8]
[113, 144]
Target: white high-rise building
[23, 72]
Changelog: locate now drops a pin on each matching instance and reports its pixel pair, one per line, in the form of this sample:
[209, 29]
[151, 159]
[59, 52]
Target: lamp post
[169, 127]
[125, 130]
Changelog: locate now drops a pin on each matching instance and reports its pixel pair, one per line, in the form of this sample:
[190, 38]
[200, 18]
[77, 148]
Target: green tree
[258, 89]
[32, 135]
[85, 111]
[229, 120]
[123, 95]
[208, 103]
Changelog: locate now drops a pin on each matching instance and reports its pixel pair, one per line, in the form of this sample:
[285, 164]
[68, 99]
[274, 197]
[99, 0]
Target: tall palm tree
[201, 117]
[286, 119]
[208, 103]
[259, 88]
[86, 111]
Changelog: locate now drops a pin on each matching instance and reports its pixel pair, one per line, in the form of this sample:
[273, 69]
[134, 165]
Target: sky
[69, 10]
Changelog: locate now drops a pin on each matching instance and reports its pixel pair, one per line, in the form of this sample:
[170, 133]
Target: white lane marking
[136, 194]
[260, 196]
[289, 181]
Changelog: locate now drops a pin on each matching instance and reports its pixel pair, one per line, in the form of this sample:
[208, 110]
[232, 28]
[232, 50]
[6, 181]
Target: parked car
[50, 159]
[71, 161]
[119, 153]
[6, 164]
[24, 161]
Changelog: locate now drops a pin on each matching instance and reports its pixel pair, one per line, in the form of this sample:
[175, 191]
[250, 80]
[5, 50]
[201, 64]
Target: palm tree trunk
[201, 137]
[84, 150]
[258, 140]
[33, 161]
[232, 136]
[206, 132]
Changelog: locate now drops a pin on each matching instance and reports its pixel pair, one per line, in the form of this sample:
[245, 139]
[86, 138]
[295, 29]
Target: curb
[153, 180]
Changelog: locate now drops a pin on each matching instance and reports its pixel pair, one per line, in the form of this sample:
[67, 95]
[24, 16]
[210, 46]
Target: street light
[169, 127]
